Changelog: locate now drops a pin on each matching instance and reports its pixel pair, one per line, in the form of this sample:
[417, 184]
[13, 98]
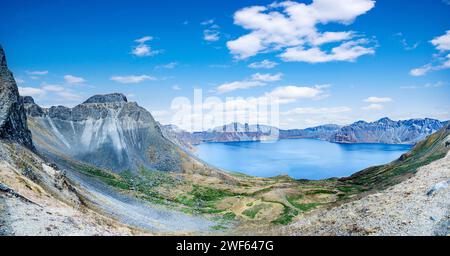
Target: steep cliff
[13, 121]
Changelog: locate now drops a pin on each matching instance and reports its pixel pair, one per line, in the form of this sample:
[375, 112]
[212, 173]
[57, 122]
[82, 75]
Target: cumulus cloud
[256, 80]
[143, 39]
[376, 103]
[51, 93]
[291, 93]
[267, 77]
[31, 91]
[211, 33]
[37, 73]
[73, 79]
[228, 87]
[378, 100]
[265, 64]
[133, 79]
[442, 58]
[142, 49]
[293, 29]
[442, 43]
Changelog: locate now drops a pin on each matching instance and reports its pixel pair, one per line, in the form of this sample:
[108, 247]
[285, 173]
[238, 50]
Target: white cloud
[30, 91]
[143, 49]
[266, 64]
[348, 51]
[176, 87]
[143, 39]
[133, 79]
[373, 107]
[267, 77]
[442, 43]
[378, 100]
[207, 22]
[73, 79]
[256, 80]
[50, 92]
[228, 87]
[211, 33]
[442, 59]
[287, 94]
[37, 73]
[421, 71]
[293, 29]
[53, 88]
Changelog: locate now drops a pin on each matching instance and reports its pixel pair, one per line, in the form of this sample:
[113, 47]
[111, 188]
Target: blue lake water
[298, 158]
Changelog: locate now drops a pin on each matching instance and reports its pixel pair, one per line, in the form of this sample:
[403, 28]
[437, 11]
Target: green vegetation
[286, 217]
[251, 212]
[109, 178]
[302, 207]
[320, 191]
[229, 216]
[207, 194]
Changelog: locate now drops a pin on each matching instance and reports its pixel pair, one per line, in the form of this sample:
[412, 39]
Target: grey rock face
[388, 131]
[13, 120]
[106, 131]
[107, 98]
[323, 132]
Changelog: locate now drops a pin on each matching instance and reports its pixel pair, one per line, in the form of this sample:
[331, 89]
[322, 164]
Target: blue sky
[331, 63]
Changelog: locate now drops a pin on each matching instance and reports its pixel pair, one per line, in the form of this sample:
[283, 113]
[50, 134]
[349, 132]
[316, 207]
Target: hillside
[418, 205]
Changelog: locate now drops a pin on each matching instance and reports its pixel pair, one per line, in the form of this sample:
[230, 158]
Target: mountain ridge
[105, 130]
[384, 130]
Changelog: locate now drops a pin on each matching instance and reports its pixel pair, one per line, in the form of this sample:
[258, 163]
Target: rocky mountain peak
[107, 98]
[2, 57]
[27, 100]
[13, 120]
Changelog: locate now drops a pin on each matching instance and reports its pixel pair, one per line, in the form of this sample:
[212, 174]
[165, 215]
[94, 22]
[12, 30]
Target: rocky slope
[106, 131]
[388, 131]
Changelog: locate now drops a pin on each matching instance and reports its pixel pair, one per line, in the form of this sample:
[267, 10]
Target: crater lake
[299, 158]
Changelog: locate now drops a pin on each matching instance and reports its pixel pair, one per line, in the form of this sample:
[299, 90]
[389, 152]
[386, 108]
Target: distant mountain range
[388, 131]
[384, 130]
